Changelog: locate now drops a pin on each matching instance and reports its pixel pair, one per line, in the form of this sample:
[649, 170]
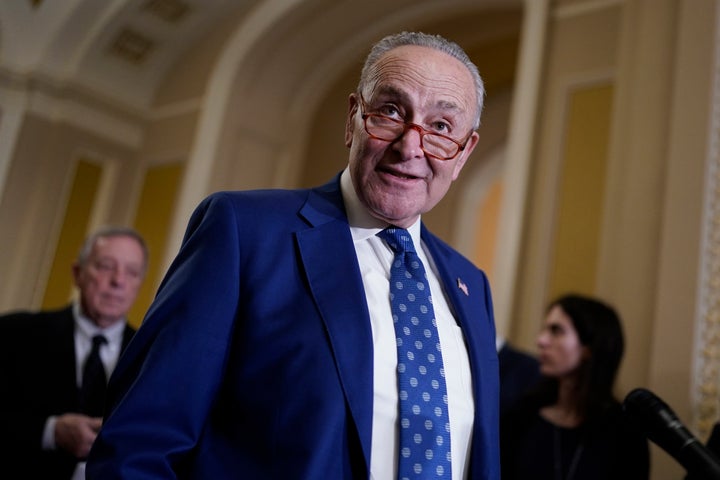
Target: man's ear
[350, 120]
[76, 273]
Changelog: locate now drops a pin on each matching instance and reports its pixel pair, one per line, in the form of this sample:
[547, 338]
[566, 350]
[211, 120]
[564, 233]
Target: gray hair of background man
[107, 232]
[425, 40]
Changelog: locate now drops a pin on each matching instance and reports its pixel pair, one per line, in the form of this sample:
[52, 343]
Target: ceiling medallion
[132, 46]
[169, 10]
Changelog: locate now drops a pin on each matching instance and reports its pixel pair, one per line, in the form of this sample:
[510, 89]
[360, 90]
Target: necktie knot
[98, 341]
[399, 239]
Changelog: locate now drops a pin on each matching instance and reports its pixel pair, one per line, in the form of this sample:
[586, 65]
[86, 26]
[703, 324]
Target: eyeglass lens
[389, 130]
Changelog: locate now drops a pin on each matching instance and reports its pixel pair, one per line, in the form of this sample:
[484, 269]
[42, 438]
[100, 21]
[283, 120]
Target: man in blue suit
[270, 351]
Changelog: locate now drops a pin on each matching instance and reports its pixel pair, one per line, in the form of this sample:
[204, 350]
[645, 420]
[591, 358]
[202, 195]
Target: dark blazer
[255, 361]
[38, 376]
[713, 443]
[519, 371]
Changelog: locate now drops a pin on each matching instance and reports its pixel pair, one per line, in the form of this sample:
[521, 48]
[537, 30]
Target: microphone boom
[660, 424]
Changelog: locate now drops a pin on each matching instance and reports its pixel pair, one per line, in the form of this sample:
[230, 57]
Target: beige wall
[657, 57]
[35, 197]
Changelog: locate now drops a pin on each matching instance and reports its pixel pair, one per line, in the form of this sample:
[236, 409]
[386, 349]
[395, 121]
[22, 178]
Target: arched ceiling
[122, 50]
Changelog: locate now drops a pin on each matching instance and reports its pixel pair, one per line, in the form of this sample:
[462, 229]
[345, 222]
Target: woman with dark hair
[571, 426]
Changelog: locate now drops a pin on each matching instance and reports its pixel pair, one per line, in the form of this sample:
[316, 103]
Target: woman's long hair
[599, 329]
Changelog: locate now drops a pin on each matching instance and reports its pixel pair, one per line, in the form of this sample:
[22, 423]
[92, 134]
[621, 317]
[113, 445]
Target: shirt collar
[362, 224]
[87, 327]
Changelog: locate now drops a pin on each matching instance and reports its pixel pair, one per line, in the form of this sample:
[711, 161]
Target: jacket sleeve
[162, 390]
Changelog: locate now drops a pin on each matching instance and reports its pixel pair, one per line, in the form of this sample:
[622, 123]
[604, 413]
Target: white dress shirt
[85, 330]
[375, 257]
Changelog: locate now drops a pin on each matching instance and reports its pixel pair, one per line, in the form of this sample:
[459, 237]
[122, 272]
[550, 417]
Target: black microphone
[662, 426]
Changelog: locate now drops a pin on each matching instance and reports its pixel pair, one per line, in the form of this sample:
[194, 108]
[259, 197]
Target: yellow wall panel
[85, 185]
[581, 193]
[487, 230]
[152, 220]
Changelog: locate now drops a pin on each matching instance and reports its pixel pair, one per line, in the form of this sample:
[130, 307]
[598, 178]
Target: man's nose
[409, 144]
[119, 277]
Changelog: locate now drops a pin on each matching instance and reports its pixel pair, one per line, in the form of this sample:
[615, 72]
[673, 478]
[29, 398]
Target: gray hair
[108, 232]
[425, 40]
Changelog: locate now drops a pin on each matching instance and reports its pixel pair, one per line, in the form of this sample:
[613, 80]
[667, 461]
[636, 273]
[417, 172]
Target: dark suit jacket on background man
[44, 385]
[46, 432]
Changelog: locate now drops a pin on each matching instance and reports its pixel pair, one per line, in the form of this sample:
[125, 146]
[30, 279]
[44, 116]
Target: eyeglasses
[388, 129]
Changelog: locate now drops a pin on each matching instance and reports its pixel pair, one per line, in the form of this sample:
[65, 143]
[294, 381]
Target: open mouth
[400, 175]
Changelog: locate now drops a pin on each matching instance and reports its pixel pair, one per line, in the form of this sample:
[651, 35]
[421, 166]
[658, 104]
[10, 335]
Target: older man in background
[54, 365]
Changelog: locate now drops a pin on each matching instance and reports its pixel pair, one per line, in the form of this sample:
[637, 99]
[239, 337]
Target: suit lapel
[468, 302]
[465, 301]
[325, 250]
[128, 333]
[457, 292]
[60, 352]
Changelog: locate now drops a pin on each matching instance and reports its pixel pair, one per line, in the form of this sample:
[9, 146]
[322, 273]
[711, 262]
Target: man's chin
[110, 316]
[400, 217]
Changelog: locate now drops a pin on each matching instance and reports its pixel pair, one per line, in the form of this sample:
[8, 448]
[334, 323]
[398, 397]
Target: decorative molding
[73, 105]
[706, 394]
[584, 8]
[87, 117]
[175, 109]
[171, 11]
[132, 46]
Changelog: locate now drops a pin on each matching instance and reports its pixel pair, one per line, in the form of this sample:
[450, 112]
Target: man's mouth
[401, 175]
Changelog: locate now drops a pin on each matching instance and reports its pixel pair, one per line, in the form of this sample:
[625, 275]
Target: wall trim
[706, 373]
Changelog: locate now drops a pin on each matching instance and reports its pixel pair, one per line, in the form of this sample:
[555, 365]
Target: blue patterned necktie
[424, 421]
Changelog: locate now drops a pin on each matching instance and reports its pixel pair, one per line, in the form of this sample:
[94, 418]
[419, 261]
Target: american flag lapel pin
[463, 287]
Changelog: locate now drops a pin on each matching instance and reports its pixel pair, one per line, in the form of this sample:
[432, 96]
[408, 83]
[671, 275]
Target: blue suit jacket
[255, 360]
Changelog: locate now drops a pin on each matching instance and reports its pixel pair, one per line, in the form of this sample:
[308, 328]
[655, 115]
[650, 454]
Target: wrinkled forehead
[120, 246]
[422, 72]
